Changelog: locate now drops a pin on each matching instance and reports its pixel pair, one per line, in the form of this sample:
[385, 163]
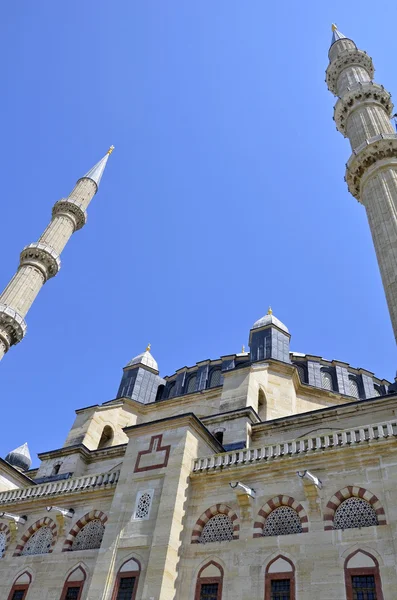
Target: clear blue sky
[225, 192]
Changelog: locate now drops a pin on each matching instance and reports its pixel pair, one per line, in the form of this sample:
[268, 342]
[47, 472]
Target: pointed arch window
[362, 578]
[127, 580]
[74, 584]
[106, 437]
[20, 587]
[280, 579]
[209, 582]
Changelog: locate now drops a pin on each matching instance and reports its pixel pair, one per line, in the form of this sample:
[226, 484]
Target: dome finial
[148, 347]
[270, 312]
[243, 349]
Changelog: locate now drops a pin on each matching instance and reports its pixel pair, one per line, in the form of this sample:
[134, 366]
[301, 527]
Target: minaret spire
[362, 114]
[41, 260]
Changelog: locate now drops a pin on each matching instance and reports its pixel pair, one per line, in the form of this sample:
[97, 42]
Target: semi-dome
[20, 457]
[145, 359]
[270, 319]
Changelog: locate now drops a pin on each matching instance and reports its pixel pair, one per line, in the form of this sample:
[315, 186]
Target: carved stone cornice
[372, 153]
[12, 326]
[359, 95]
[69, 208]
[41, 257]
[348, 58]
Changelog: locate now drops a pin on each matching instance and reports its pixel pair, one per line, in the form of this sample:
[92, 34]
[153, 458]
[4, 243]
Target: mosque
[267, 474]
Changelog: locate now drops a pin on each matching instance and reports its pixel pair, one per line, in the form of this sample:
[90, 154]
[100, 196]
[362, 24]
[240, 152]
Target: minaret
[362, 114]
[41, 260]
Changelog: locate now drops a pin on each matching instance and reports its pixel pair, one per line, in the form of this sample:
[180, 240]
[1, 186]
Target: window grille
[280, 589]
[218, 529]
[326, 380]
[90, 536]
[354, 512]
[143, 504]
[377, 390]
[209, 591]
[282, 521]
[363, 587]
[3, 541]
[171, 390]
[191, 384]
[353, 388]
[39, 542]
[126, 588]
[215, 378]
[18, 595]
[72, 593]
[302, 373]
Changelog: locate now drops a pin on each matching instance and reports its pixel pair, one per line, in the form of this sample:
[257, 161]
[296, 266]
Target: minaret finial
[110, 150]
[243, 349]
[270, 312]
[148, 347]
[334, 27]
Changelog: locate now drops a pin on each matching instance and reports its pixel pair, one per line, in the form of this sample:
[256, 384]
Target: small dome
[20, 457]
[270, 319]
[145, 359]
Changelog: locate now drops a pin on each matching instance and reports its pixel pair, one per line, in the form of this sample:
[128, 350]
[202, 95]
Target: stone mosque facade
[266, 474]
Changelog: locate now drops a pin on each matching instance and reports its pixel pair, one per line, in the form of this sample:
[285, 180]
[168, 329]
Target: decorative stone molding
[12, 326]
[41, 257]
[45, 522]
[272, 505]
[349, 492]
[349, 58]
[360, 94]
[94, 514]
[376, 149]
[216, 509]
[69, 208]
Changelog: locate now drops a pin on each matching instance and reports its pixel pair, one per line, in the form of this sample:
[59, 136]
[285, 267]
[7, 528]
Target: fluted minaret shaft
[41, 260]
[362, 114]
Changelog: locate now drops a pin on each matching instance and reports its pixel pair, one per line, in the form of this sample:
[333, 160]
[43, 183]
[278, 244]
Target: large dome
[145, 359]
[270, 319]
[20, 457]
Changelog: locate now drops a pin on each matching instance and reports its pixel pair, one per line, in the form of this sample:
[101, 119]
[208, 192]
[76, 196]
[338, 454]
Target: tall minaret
[41, 261]
[362, 114]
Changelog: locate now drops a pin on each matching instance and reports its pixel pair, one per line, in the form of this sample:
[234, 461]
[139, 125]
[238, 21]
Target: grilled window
[209, 591]
[280, 589]
[282, 521]
[363, 587]
[354, 512]
[126, 588]
[218, 529]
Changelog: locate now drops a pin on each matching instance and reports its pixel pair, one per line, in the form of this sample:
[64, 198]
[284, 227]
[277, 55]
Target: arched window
[39, 542]
[353, 387]
[362, 577]
[378, 390]
[215, 378]
[127, 580]
[326, 380]
[73, 587]
[171, 390]
[209, 582]
[280, 579]
[106, 437]
[90, 536]
[262, 405]
[301, 372]
[282, 521]
[191, 384]
[218, 434]
[55, 469]
[218, 529]
[5, 535]
[20, 587]
[355, 512]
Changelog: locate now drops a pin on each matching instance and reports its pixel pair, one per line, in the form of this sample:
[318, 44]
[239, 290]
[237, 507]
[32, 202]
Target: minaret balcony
[69, 208]
[42, 257]
[373, 154]
[12, 326]
[348, 58]
[359, 95]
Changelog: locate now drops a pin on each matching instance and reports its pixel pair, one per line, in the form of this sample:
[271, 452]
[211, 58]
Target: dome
[270, 319]
[20, 457]
[145, 359]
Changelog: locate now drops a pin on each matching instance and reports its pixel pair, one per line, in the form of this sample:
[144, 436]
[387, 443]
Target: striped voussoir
[216, 509]
[275, 503]
[94, 514]
[44, 522]
[348, 492]
[6, 530]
